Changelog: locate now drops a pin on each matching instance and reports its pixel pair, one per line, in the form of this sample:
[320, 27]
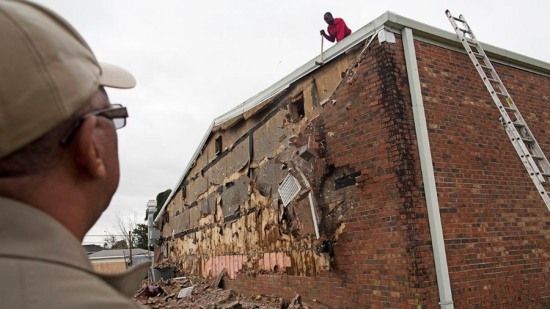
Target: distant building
[382, 178]
[116, 260]
[92, 248]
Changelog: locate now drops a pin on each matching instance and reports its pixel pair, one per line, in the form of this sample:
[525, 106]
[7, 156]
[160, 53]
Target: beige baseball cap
[47, 72]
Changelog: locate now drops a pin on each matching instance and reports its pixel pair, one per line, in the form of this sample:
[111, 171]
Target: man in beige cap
[58, 162]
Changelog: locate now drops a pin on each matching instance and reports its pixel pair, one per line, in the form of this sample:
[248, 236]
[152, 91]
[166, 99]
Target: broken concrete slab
[185, 292]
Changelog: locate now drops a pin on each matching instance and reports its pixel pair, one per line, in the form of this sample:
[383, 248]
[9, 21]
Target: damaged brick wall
[231, 215]
[358, 156]
[371, 207]
[383, 244]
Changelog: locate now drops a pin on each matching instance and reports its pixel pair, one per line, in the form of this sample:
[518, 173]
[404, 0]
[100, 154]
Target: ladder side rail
[523, 151]
[540, 188]
[517, 147]
[496, 77]
[535, 149]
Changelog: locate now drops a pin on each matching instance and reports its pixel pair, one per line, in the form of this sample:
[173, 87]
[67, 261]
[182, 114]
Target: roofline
[117, 256]
[389, 20]
[108, 257]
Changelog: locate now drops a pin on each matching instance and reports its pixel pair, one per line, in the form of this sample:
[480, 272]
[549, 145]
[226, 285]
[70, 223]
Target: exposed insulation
[232, 217]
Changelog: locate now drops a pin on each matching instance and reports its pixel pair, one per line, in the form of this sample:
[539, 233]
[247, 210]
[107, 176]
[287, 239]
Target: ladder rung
[508, 108]
[478, 55]
[526, 139]
[518, 125]
[538, 158]
[472, 44]
[545, 175]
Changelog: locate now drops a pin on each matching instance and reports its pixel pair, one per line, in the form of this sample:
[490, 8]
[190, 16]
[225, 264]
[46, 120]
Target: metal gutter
[426, 163]
[187, 169]
[449, 38]
[387, 19]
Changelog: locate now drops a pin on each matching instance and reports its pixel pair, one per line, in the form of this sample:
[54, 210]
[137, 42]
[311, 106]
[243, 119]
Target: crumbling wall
[373, 220]
[355, 151]
[347, 151]
[231, 215]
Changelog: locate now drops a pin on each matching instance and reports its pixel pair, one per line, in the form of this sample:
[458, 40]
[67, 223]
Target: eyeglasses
[117, 113]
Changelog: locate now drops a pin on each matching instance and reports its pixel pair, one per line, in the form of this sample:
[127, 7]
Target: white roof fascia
[187, 169]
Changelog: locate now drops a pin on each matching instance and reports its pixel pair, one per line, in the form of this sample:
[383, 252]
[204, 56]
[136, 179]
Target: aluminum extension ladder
[520, 135]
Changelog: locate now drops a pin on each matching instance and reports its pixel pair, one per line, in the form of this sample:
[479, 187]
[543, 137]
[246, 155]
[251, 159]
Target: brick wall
[370, 193]
[494, 222]
[495, 226]
[383, 255]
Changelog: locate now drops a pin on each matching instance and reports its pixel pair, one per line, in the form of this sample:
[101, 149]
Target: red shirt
[338, 30]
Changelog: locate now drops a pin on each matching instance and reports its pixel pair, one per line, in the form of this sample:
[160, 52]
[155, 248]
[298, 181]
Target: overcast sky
[195, 60]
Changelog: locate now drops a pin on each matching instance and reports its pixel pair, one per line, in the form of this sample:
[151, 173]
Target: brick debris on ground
[196, 292]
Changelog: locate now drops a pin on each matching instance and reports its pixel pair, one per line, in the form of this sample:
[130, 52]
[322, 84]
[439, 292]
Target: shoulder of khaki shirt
[127, 282]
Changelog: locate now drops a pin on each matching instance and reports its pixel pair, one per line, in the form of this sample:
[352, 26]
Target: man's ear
[88, 155]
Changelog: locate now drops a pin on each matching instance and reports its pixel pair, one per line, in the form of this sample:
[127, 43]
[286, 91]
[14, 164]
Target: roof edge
[399, 22]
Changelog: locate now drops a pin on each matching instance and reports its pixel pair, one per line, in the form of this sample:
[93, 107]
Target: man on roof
[337, 29]
[58, 163]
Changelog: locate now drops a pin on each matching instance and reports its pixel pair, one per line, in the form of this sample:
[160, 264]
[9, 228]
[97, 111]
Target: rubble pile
[196, 292]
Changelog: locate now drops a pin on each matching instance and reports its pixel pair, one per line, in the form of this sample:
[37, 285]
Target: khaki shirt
[42, 265]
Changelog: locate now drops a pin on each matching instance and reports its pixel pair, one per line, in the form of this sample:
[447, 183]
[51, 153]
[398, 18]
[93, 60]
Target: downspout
[421, 128]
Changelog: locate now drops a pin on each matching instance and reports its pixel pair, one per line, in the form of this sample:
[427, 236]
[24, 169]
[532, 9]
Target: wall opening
[297, 110]
[219, 145]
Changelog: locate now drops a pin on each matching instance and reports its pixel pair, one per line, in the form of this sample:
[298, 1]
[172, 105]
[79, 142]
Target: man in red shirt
[337, 28]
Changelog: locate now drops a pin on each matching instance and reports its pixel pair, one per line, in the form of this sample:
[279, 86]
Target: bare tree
[125, 224]
[109, 240]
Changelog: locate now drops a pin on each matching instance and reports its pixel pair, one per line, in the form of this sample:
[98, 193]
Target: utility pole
[152, 233]
[151, 209]
[130, 246]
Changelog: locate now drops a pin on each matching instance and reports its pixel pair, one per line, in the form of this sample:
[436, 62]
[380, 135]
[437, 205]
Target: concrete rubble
[199, 293]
